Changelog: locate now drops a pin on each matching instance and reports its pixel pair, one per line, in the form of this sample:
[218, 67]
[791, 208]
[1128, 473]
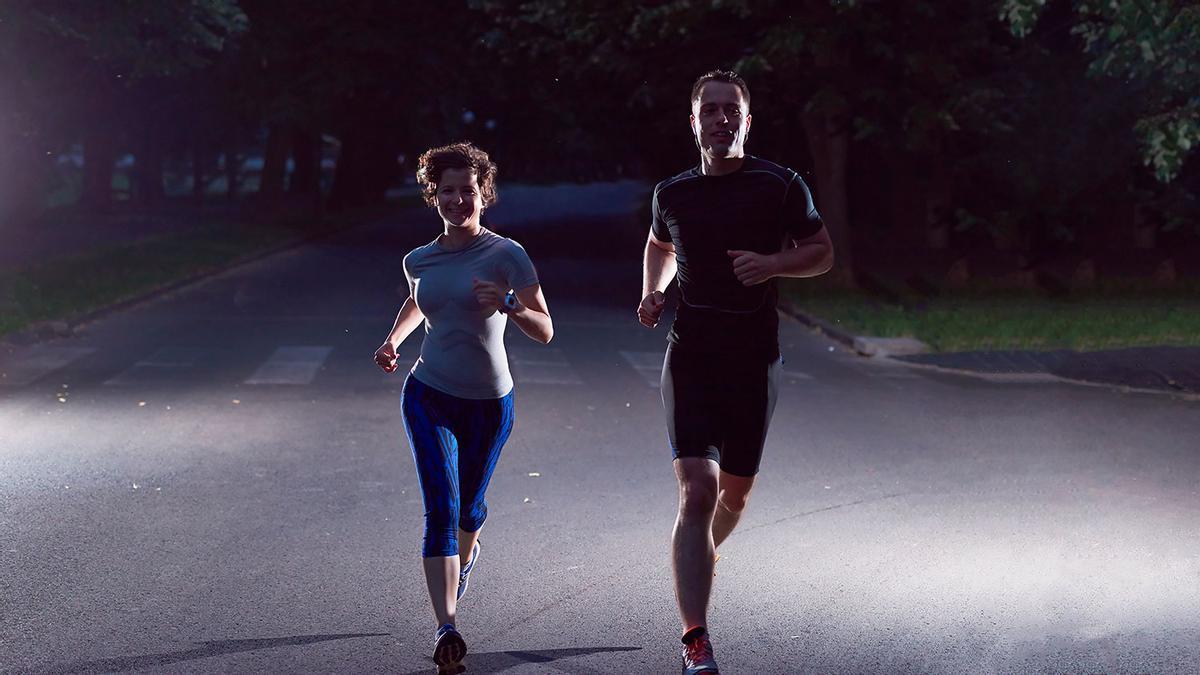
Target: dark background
[1017, 140]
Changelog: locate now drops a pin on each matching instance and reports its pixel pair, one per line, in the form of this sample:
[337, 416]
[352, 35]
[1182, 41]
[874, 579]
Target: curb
[863, 348]
[1049, 378]
[834, 333]
[61, 328]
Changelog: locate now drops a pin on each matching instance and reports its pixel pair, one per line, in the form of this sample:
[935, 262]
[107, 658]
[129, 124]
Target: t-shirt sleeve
[519, 271]
[801, 219]
[658, 227]
[406, 264]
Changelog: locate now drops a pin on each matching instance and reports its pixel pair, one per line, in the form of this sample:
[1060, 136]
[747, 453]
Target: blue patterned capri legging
[455, 443]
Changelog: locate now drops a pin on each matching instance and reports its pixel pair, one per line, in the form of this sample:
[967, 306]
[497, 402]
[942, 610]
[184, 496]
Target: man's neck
[719, 166]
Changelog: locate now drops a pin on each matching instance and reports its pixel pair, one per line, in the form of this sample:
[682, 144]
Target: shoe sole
[449, 651]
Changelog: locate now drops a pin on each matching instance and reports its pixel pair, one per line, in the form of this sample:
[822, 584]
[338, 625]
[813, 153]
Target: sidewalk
[1170, 369]
[1164, 368]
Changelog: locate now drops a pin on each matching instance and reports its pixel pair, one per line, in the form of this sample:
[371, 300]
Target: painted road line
[24, 365]
[543, 366]
[163, 365]
[291, 365]
[648, 366]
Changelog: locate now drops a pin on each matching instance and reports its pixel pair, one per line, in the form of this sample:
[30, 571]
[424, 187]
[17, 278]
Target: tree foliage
[1154, 42]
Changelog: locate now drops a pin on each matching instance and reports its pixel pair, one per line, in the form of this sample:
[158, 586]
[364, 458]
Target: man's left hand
[752, 268]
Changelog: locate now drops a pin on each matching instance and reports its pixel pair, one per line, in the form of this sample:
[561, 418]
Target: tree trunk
[939, 218]
[22, 184]
[98, 155]
[907, 200]
[198, 164]
[232, 170]
[306, 152]
[274, 170]
[365, 167]
[829, 143]
[149, 168]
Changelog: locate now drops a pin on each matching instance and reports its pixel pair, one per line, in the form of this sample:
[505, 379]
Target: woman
[458, 400]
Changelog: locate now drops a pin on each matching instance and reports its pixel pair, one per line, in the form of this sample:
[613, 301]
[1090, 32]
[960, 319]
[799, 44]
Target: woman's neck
[459, 236]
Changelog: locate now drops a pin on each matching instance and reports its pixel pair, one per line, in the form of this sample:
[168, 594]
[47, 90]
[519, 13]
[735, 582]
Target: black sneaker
[449, 648]
[698, 656]
[465, 573]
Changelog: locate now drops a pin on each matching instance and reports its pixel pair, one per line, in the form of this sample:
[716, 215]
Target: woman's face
[460, 202]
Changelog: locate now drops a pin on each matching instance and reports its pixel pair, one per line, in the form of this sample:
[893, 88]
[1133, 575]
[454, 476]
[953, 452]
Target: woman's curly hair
[461, 155]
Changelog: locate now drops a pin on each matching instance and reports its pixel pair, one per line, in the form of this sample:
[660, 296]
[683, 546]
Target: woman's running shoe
[449, 648]
[465, 574]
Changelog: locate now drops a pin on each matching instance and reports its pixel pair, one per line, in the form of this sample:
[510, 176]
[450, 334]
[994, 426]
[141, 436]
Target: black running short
[719, 406]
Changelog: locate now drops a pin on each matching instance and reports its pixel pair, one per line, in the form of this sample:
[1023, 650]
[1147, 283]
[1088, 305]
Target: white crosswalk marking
[162, 364]
[24, 365]
[898, 374]
[544, 366]
[291, 365]
[647, 364]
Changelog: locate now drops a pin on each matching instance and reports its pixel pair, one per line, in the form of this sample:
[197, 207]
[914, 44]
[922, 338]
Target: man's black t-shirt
[760, 207]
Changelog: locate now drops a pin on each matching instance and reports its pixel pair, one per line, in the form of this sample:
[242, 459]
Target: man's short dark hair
[726, 76]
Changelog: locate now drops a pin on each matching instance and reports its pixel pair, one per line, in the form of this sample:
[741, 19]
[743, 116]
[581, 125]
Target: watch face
[510, 301]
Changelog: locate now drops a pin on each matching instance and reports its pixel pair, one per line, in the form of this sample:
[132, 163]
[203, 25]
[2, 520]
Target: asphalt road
[218, 481]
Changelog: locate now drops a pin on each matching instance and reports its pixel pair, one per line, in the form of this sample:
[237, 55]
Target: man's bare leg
[731, 501]
[692, 541]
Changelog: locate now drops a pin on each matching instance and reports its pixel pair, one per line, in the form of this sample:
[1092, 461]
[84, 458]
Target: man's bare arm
[808, 257]
[658, 269]
[659, 265]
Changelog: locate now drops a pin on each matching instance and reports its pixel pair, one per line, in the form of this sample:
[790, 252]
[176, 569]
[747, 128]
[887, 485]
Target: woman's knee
[440, 541]
[441, 531]
[472, 518]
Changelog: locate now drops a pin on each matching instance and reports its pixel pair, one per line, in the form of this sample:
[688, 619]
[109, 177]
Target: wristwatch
[510, 303]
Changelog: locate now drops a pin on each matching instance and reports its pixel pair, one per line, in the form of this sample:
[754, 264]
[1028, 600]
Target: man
[727, 227]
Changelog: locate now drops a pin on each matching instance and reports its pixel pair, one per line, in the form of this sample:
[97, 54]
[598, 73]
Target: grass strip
[73, 286]
[1121, 315]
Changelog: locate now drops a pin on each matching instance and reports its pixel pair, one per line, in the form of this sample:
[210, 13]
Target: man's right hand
[651, 308]
[385, 357]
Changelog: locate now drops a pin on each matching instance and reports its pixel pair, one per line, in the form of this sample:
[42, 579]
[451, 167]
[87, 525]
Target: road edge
[63, 328]
[855, 343]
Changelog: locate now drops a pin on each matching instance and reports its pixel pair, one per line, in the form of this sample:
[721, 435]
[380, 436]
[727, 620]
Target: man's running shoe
[698, 655]
[449, 648]
[465, 573]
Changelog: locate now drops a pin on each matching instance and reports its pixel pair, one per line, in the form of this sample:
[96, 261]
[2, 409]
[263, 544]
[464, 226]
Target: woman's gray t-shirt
[463, 352]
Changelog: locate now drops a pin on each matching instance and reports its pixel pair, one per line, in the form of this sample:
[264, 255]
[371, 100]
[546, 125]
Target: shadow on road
[206, 649]
[496, 662]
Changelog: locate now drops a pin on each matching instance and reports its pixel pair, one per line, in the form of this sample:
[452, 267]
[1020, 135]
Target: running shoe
[464, 575]
[449, 648]
[698, 656]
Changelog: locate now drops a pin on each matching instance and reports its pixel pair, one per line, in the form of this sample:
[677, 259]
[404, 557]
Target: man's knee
[697, 495]
[734, 501]
[735, 491]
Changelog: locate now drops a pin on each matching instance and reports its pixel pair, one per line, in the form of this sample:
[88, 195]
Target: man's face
[721, 120]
